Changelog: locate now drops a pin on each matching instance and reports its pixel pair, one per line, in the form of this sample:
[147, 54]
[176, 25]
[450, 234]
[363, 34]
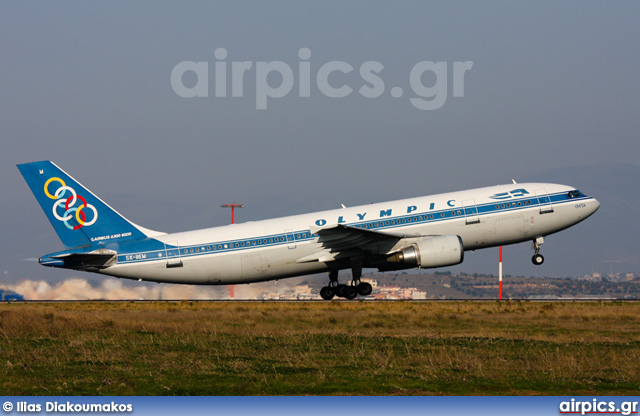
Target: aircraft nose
[594, 205]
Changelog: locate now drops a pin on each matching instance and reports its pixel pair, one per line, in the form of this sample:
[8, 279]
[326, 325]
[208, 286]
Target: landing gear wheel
[340, 290]
[327, 293]
[537, 259]
[350, 292]
[364, 289]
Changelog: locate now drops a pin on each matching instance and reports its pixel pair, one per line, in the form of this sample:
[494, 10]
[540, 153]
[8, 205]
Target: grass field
[346, 348]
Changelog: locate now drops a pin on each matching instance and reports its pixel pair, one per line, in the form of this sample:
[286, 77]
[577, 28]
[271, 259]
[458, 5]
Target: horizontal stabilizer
[97, 259]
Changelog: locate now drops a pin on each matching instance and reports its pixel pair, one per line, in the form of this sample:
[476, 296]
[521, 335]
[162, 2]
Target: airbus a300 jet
[423, 232]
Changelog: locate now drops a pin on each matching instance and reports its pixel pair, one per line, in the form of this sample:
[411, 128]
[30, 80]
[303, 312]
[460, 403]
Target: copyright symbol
[7, 406]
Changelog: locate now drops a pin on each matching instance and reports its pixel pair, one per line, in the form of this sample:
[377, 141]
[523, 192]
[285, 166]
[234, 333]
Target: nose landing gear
[537, 258]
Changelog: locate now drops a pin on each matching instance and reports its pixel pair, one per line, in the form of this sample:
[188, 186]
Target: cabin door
[470, 211]
[291, 241]
[172, 253]
[544, 201]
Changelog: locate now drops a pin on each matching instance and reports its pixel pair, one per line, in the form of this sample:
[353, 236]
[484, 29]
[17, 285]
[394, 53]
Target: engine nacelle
[438, 251]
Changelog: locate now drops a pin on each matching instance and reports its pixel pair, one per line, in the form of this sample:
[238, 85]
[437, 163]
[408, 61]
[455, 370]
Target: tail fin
[78, 216]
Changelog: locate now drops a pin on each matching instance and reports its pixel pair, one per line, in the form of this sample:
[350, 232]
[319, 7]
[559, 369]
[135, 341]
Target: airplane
[423, 232]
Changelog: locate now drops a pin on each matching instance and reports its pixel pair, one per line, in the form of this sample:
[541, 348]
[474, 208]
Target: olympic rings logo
[69, 205]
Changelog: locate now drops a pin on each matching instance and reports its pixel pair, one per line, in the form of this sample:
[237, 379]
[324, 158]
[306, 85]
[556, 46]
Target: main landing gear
[537, 258]
[350, 291]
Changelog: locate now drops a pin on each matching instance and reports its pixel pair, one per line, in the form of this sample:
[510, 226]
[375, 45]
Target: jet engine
[437, 251]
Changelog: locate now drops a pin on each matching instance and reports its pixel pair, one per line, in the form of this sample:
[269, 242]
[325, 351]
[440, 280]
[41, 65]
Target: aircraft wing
[341, 240]
[340, 237]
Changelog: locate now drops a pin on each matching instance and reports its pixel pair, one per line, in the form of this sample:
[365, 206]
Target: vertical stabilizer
[78, 216]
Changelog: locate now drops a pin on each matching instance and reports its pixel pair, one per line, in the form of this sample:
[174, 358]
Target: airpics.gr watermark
[276, 79]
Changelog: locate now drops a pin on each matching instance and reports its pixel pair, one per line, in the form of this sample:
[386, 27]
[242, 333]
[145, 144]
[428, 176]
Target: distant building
[419, 294]
[385, 296]
[596, 277]
[396, 292]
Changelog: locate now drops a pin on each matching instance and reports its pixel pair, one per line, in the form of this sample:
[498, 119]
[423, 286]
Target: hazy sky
[88, 85]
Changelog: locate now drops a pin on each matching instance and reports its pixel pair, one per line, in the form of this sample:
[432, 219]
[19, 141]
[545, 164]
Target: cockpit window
[575, 194]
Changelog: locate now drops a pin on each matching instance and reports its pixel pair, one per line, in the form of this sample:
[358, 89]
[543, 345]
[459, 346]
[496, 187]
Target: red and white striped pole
[500, 276]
